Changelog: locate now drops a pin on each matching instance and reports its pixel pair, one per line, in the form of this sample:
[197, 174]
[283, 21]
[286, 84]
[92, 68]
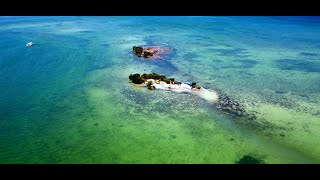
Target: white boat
[30, 44]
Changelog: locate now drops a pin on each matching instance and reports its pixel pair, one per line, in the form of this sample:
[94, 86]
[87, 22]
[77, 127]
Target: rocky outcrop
[149, 52]
[138, 51]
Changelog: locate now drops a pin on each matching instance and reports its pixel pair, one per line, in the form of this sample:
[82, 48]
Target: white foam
[210, 96]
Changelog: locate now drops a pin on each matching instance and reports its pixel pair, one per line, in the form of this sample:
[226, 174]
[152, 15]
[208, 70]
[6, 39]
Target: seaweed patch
[247, 63]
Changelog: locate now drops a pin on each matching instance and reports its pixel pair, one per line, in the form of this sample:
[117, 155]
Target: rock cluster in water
[232, 106]
[151, 52]
[229, 104]
[138, 51]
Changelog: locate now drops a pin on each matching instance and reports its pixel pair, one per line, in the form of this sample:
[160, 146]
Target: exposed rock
[153, 52]
[147, 54]
[150, 87]
[138, 51]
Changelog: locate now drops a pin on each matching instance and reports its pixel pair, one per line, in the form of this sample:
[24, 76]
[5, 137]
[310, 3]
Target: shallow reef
[298, 65]
[150, 52]
[232, 106]
[224, 103]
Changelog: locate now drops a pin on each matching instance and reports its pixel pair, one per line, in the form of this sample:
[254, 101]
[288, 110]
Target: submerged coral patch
[298, 65]
[232, 106]
[243, 64]
[231, 52]
[247, 63]
[105, 45]
[152, 40]
[192, 55]
[164, 66]
[198, 36]
[308, 54]
[150, 52]
[138, 97]
[87, 31]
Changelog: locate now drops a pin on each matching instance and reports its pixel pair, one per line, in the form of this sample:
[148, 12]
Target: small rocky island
[156, 81]
[149, 52]
[221, 101]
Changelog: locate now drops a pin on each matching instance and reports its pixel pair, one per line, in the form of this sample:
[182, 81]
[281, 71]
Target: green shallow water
[68, 100]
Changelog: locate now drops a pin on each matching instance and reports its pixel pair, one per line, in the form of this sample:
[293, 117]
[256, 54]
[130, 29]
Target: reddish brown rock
[150, 52]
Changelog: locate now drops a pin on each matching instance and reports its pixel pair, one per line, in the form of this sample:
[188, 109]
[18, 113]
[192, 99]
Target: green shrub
[136, 78]
[167, 81]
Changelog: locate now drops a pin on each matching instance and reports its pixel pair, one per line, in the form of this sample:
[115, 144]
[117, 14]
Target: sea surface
[67, 99]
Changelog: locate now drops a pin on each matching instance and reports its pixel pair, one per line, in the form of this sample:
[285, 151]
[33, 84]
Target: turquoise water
[67, 99]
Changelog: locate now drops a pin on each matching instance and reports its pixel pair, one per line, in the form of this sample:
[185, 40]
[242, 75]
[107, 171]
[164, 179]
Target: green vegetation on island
[139, 79]
[149, 52]
[194, 85]
[136, 79]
